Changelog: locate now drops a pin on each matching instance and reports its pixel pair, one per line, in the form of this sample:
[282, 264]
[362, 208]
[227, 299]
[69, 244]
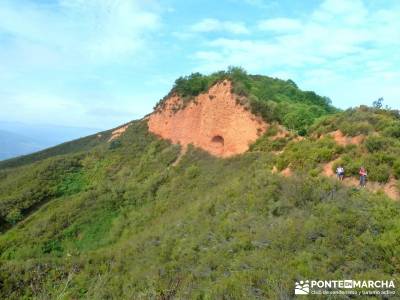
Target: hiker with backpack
[340, 173]
[363, 176]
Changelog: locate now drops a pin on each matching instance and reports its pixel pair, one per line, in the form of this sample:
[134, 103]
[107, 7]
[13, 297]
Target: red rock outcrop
[214, 121]
[118, 132]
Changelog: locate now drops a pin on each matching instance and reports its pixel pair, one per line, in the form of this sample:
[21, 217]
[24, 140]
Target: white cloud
[41, 106]
[343, 38]
[95, 30]
[45, 105]
[210, 25]
[314, 39]
[270, 4]
[53, 51]
[280, 25]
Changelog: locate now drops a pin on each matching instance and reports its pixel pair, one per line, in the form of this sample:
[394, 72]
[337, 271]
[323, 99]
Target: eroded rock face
[213, 121]
[118, 132]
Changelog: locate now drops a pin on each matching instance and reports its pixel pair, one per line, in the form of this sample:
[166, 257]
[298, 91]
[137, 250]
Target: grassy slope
[90, 219]
[132, 224]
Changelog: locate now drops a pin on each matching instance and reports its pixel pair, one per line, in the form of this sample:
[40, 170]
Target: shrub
[115, 144]
[272, 130]
[380, 173]
[282, 163]
[192, 171]
[265, 144]
[351, 164]
[325, 154]
[307, 154]
[240, 89]
[392, 131]
[14, 216]
[52, 246]
[279, 144]
[382, 157]
[266, 109]
[396, 169]
[355, 128]
[191, 85]
[376, 143]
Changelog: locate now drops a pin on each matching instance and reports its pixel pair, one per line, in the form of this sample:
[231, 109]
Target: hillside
[126, 214]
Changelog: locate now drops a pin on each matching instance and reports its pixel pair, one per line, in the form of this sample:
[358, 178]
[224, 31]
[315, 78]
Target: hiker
[340, 173]
[363, 177]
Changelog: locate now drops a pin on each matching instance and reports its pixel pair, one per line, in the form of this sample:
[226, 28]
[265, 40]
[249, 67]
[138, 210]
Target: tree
[378, 104]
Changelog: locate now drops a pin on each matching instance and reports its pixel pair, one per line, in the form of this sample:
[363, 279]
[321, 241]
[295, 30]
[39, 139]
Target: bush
[272, 130]
[307, 154]
[266, 109]
[265, 144]
[115, 144]
[191, 85]
[379, 173]
[351, 164]
[396, 169]
[356, 128]
[192, 172]
[382, 157]
[14, 216]
[240, 89]
[392, 131]
[376, 143]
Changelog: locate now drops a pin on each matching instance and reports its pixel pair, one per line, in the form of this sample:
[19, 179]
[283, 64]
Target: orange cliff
[213, 121]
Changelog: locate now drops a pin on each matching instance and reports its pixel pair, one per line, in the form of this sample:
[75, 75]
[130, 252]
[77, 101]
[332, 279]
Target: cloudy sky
[100, 63]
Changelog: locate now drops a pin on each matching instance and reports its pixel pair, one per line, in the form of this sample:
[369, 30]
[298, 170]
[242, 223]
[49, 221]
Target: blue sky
[100, 63]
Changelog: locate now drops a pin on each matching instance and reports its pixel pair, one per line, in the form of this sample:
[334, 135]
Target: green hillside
[94, 219]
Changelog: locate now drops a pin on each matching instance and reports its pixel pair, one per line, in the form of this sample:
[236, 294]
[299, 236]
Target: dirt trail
[287, 172]
[181, 154]
[390, 189]
[328, 168]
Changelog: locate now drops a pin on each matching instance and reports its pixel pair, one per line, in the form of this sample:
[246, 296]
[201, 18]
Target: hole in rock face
[217, 143]
[218, 140]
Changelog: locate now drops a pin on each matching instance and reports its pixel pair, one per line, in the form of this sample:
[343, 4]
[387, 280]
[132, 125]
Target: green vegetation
[361, 120]
[124, 222]
[117, 220]
[380, 149]
[307, 155]
[273, 99]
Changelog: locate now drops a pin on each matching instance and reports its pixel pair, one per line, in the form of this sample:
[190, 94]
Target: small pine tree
[378, 104]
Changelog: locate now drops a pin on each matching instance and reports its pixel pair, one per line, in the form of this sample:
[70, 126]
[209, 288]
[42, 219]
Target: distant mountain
[12, 144]
[19, 138]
